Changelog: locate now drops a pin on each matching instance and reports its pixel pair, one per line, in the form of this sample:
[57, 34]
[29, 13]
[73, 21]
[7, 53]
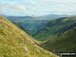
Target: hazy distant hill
[14, 42]
[46, 17]
[54, 16]
[55, 27]
[13, 18]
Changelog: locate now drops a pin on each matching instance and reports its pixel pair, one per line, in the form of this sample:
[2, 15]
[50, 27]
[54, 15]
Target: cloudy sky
[37, 7]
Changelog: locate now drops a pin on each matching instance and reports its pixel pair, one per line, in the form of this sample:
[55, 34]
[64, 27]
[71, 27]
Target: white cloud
[10, 8]
[38, 7]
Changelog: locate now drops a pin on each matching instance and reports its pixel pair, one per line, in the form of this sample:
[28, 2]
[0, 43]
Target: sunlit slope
[65, 42]
[55, 27]
[16, 43]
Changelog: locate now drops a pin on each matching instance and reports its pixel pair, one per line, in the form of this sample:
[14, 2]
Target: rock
[32, 42]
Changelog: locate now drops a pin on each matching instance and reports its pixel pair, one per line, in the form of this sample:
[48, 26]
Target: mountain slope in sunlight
[14, 42]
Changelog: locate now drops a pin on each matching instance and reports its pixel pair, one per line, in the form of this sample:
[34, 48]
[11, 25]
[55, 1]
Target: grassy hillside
[65, 42]
[14, 42]
[55, 27]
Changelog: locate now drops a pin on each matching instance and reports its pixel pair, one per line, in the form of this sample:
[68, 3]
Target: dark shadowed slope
[66, 42]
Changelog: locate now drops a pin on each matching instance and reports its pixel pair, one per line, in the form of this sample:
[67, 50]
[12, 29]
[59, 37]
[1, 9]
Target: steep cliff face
[14, 42]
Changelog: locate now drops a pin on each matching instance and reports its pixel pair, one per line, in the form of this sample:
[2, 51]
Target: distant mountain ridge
[54, 16]
[13, 18]
[50, 16]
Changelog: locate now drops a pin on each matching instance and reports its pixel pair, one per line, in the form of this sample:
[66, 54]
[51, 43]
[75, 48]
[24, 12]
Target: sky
[37, 7]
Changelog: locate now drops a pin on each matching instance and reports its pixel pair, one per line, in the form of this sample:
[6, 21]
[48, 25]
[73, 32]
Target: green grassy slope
[14, 42]
[66, 42]
[55, 27]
